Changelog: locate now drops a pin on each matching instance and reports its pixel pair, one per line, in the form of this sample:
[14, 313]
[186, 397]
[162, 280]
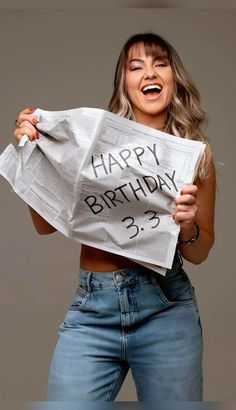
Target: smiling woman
[149, 83]
[124, 315]
[147, 60]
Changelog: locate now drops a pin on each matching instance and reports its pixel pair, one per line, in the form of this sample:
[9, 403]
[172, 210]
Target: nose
[150, 72]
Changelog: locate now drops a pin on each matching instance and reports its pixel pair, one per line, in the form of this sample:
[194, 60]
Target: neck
[157, 122]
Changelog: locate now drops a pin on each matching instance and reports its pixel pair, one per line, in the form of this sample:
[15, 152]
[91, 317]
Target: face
[149, 86]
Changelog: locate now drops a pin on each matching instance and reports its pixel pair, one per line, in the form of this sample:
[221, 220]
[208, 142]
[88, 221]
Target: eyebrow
[136, 59]
[140, 60]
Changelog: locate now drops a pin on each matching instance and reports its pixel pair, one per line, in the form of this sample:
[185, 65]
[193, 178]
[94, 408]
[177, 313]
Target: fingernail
[37, 135]
[34, 121]
[31, 109]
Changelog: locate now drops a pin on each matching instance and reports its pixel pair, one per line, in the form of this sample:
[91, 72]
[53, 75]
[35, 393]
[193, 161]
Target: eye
[160, 64]
[135, 68]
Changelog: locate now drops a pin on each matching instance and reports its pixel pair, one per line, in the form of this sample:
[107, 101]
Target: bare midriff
[93, 259]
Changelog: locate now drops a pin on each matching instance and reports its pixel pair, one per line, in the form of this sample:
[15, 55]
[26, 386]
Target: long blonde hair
[185, 117]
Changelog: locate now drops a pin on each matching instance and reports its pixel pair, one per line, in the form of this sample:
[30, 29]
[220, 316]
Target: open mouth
[152, 89]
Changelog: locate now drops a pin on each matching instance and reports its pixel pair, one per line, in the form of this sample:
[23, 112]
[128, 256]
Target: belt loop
[180, 258]
[88, 281]
[153, 278]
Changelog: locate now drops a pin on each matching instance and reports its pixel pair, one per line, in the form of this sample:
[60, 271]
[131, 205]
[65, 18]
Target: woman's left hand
[186, 207]
[196, 204]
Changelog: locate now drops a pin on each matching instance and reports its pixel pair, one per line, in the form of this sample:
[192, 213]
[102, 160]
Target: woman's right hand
[25, 125]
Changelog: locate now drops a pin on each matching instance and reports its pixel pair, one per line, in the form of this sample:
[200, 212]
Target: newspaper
[105, 181]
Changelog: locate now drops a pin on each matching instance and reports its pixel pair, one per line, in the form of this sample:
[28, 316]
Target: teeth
[152, 87]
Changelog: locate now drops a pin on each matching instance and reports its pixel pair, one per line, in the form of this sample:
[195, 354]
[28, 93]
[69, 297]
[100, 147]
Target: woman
[124, 315]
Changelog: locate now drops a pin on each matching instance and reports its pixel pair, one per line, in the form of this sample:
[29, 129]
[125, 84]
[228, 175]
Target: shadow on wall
[124, 406]
[144, 4]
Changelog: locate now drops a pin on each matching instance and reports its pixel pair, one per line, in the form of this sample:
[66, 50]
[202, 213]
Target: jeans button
[119, 278]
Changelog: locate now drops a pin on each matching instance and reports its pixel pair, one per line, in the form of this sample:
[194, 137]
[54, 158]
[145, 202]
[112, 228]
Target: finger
[189, 189]
[28, 124]
[186, 216]
[182, 217]
[26, 114]
[20, 131]
[182, 208]
[188, 199]
[24, 117]
[18, 135]
[28, 110]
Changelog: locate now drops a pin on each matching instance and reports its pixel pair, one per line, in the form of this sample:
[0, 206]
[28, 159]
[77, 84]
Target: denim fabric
[131, 318]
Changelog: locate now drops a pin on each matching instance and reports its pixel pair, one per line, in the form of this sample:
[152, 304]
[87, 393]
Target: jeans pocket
[176, 289]
[73, 317]
[80, 298]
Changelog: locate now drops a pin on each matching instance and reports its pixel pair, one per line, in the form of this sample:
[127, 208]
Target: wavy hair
[185, 117]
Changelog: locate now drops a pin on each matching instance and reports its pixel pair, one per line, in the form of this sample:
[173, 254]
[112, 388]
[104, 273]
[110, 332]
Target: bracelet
[193, 239]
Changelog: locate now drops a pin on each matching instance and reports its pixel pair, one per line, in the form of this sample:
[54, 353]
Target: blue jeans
[131, 318]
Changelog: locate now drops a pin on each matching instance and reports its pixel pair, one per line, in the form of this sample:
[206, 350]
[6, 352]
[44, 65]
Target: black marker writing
[135, 228]
[107, 163]
[131, 191]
